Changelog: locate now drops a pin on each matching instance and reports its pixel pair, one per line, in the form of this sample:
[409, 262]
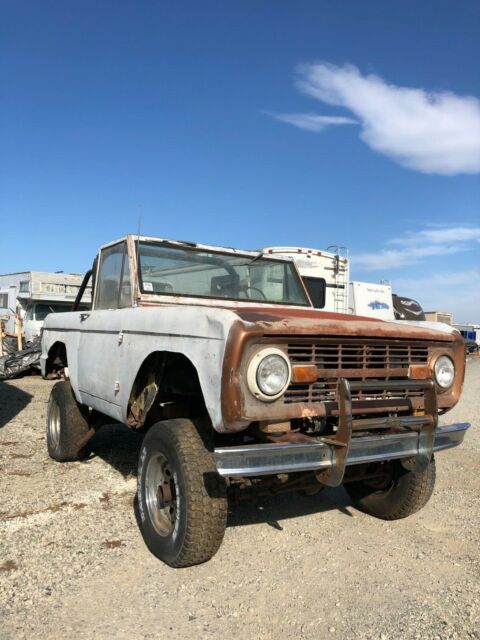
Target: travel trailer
[28, 297]
[371, 299]
[324, 273]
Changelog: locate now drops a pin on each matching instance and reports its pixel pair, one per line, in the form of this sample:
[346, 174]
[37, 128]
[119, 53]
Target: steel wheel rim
[383, 485]
[161, 494]
[54, 419]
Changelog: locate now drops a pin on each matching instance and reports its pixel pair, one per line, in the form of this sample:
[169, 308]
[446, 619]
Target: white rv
[31, 295]
[324, 273]
[371, 299]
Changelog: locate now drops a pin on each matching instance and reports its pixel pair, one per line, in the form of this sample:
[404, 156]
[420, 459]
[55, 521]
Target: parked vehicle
[471, 346]
[218, 356]
[30, 296]
[325, 275]
[470, 332]
[372, 300]
[408, 309]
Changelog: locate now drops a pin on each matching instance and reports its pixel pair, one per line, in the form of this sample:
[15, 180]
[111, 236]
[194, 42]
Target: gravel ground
[73, 563]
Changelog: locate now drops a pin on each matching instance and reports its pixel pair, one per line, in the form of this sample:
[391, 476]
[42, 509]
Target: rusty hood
[284, 321]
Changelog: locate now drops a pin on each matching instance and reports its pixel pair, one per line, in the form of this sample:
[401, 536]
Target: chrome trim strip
[270, 459]
[450, 435]
[266, 459]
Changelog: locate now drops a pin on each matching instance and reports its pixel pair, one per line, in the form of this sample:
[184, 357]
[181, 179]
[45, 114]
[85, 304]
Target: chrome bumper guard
[412, 438]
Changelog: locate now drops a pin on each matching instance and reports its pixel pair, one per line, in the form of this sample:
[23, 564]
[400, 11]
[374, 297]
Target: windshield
[170, 270]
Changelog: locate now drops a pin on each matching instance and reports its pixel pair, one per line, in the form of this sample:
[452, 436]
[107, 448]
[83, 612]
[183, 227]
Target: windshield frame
[248, 257]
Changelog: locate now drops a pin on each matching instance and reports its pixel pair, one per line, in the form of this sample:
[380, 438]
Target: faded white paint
[97, 358]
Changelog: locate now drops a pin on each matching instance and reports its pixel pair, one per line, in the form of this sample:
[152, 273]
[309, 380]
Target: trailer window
[3, 300]
[316, 288]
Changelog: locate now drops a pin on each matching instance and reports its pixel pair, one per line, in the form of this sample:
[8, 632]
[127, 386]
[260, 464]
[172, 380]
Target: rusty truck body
[240, 385]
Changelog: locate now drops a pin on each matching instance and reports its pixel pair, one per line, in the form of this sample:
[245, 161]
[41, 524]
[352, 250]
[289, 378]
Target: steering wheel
[249, 288]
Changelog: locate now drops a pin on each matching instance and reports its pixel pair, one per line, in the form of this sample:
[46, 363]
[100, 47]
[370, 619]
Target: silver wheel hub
[161, 494]
[54, 423]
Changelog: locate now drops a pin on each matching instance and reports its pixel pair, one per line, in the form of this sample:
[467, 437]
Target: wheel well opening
[166, 386]
[56, 360]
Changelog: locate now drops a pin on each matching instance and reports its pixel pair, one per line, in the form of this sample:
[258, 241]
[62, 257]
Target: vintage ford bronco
[239, 384]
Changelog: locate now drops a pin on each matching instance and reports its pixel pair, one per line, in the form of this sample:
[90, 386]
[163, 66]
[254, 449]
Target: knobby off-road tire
[405, 493]
[181, 498]
[67, 424]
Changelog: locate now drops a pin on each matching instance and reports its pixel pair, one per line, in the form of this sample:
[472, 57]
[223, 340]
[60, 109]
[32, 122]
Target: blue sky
[247, 124]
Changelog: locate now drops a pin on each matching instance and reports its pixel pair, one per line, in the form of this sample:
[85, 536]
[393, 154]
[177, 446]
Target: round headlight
[269, 374]
[444, 372]
[272, 374]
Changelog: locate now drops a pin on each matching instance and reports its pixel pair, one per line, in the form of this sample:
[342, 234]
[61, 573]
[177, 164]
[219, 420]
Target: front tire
[181, 498]
[67, 424]
[398, 496]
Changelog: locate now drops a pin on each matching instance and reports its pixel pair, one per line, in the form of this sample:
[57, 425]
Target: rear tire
[181, 498]
[67, 424]
[404, 493]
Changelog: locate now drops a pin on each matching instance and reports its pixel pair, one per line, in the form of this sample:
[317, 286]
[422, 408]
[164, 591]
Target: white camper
[30, 296]
[324, 273]
[370, 299]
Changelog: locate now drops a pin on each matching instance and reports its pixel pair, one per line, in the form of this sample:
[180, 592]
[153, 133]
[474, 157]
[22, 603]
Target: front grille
[325, 392]
[358, 355]
[354, 361]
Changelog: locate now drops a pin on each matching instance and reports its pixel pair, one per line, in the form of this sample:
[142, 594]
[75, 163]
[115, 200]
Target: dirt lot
[73, 563]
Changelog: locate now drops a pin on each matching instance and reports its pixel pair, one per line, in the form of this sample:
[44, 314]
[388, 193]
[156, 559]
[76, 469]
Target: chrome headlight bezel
[254, 385]
[442, 361]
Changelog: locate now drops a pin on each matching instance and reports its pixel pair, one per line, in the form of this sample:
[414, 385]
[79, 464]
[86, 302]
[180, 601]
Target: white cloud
[414, 247]
[441, 235]
[432, 132]
[456, 292]
[396, 258]
[441, 290]
[311, 121]
[452, 279]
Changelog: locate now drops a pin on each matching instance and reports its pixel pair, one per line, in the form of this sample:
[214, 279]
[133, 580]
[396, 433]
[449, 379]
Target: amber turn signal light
[304, 373]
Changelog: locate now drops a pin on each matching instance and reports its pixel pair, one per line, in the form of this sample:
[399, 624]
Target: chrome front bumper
[266, 459]
[411, 438]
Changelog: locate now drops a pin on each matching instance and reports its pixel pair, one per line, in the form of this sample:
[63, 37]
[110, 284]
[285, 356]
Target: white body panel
[371, 300]
[427, 324]
[100, 361]
[32, 329]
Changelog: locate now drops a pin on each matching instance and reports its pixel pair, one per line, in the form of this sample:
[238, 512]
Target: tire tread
[74, 423]
[411, 494]
[205, 493]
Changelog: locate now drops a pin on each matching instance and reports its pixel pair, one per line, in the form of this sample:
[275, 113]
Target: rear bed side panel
[64, 328]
